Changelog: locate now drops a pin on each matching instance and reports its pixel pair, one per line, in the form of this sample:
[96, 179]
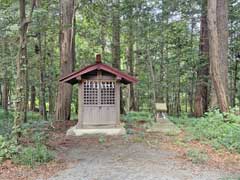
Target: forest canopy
[169, 46]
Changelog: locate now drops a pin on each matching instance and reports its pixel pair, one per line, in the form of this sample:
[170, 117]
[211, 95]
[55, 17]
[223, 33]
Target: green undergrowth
[33, 150]
[218, 129]
[134, 116]
[33, 155]
[141, 120]
[197, 156]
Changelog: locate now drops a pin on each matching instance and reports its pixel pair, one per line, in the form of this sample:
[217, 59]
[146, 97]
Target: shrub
[220, 130]
[102, 139]
[133, 116]
[8, 148]
[196, 156]
[32, 156]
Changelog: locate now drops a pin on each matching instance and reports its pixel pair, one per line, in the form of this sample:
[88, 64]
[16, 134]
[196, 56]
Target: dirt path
[121, 159]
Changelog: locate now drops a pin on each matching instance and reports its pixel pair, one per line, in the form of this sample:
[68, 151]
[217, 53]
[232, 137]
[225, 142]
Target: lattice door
[107, 93]
[99, 92]
[99, 101]
[90, 93]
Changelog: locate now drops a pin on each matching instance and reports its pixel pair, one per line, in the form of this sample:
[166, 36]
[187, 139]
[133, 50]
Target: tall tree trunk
[130, 59]
[41, 51]
[235, 83]
[0, 94]
[67, 38]
[42, 58]
[103, 21]
[218, 53]
[191, 91]
[116, 34]
[201, 94]
[116, 44]
[22, 67]
[222, 28]
[51, 96]
[5, 85]
[50, 85]
[33, 98]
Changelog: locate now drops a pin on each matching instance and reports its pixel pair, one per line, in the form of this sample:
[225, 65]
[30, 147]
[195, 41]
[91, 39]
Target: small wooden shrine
[99, 97]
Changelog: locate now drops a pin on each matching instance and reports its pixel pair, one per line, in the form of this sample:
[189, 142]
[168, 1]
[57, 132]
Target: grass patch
[196, 156]
[33, 156]
[141, 116]
[8, 148]
[181, 143]
[30, 153]
[172, 133]
[140, 120]
[102, 139]
[217, 129]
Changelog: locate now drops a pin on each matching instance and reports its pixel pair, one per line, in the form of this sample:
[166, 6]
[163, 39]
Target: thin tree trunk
[218, 50]
[5, 91]
[191, 91]
[152, 74]
[235, 83]
[51, 96]
[178, 96]
[42, 58]
[130, 60]
[67, 38]
[0, 94]
[33, 98]
[103, 35]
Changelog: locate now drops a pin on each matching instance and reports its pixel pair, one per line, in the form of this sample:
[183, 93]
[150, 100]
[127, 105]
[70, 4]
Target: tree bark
[218, 51]
[201, 94]
[67, 38]
[5, 92]
[33, 98]
[42, 58]
[222, 28]
[116, 34]
[130, 59]
[235, 89]
[103, 22]
[116, 44]
[22, 68]
[51, 95]
[0, 94]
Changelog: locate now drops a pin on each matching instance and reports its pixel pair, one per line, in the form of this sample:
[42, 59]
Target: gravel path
[133, 161]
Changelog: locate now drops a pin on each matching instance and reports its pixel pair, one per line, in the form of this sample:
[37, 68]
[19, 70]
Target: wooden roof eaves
[99, 66]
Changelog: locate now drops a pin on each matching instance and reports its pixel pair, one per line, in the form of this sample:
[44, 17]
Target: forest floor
[131, 157]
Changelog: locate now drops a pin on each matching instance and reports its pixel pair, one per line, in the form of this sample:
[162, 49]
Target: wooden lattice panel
[99, 93]
[107, 92]
[90, 96]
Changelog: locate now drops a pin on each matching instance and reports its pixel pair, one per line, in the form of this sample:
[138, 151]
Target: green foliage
[101, 139]
[137, 119]
[6, 121]
[220, 130]
[32, 156]
[34, 130]
[196, 156]
[133, 116]
[8, 148]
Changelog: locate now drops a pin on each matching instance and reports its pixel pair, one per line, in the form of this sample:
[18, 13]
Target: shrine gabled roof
[123, 77]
